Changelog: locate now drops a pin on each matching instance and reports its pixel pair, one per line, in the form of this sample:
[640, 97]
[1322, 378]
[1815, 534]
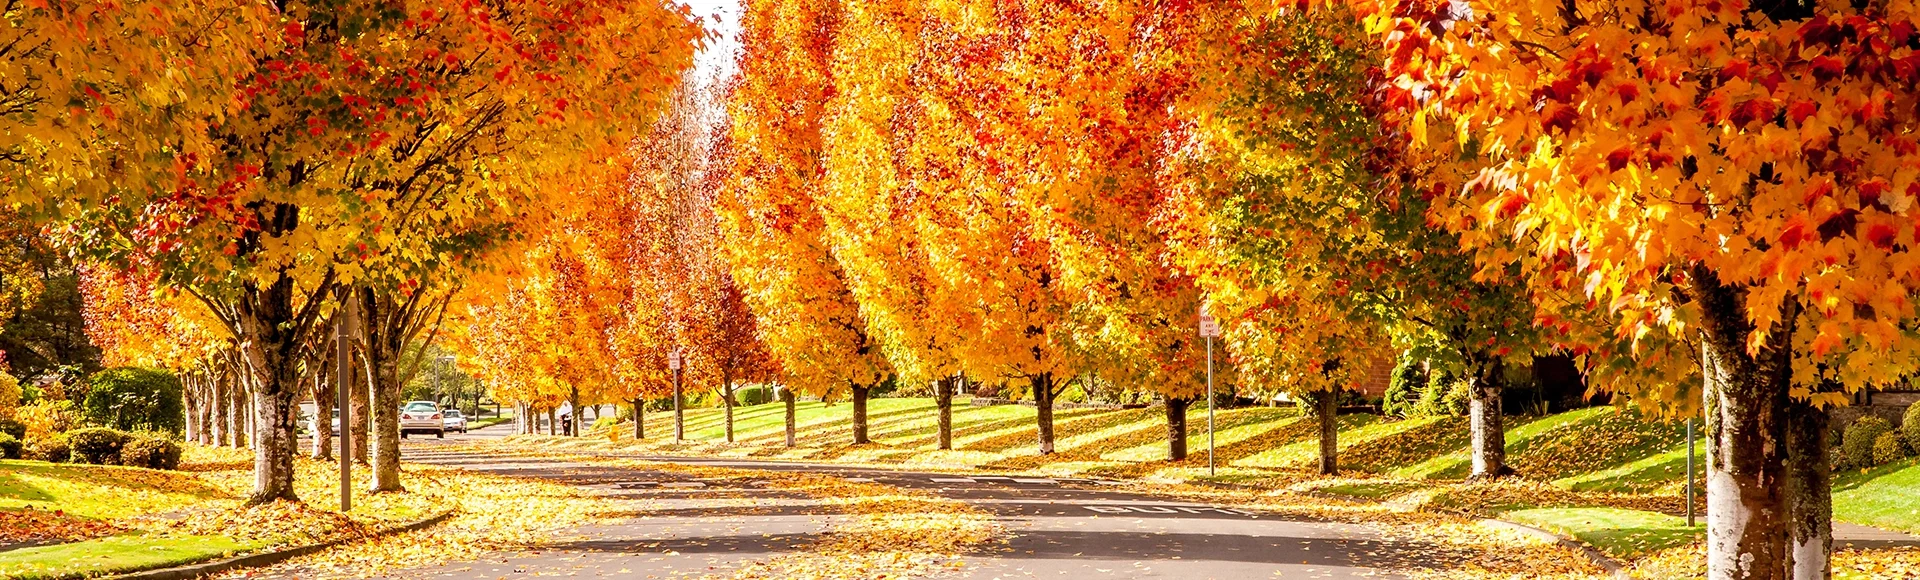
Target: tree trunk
[222, 408]
[860, 415]
[273, 332]
[787, 397]
[573, 418]
[357, 395]
[1043, 406]
[1488, 420]
[1176, 409]
[323, 395]
[242, 410]
[553, 421]
[383, 391]
[1328, 411]
[1746, 396]
[1809, 492]
[639, 419]
[943, 398]
[726, 399]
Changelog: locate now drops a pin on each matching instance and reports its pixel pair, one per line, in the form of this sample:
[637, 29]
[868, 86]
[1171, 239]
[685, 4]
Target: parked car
[453, 421]
[422, 417]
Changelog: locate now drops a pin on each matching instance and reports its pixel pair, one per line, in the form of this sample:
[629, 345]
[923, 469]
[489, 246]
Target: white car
[422, 417]
[454, 421]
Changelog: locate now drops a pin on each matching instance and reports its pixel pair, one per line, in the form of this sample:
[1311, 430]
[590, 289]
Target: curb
[1614, 568]
[204, 569]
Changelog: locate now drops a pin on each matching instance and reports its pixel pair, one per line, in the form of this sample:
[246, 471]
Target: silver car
[454, 421]
[422, 417]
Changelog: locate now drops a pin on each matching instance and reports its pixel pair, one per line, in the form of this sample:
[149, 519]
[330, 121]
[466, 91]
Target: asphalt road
[670, 526]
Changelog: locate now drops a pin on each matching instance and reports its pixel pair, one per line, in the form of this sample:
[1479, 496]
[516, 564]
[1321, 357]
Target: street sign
[673, 360]
[1209, 327]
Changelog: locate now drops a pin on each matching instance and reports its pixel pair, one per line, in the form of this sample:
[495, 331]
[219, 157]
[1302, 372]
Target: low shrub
[1856, 444]
[1910, 425]
[1888, 448]
[50, 448]
[9, 446]
[12, 427]
[761, 395]
[97, 445]
[151, 453]
[47, 417]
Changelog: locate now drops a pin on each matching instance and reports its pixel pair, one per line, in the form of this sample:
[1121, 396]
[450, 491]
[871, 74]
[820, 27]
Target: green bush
[1403, 390]
[97, 445]
[9, 447]
[761, 395]
[15, 428]
[1910, 425]
[51, 449]
[131, 398]
[151, 453]
[1444, 396]
[1888, 448]
[1856, 445]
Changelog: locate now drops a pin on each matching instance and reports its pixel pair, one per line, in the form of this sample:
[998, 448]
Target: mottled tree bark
[787, 398]
[943, 398]
[323, 395]
[1487, 418]
[1043, 394]
[1809, 493]
[222, 404]
[1327, 405]
[573, 417]
[1747, 515]
[1176, 408]
[860, 414]
[726, 398]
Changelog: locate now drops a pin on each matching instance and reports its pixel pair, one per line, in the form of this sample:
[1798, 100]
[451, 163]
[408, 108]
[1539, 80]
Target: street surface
[672, 526]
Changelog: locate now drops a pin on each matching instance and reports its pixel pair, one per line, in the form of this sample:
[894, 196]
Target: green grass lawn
[1886, 497]
[1620, 533]
[114, 554]
[98, 492]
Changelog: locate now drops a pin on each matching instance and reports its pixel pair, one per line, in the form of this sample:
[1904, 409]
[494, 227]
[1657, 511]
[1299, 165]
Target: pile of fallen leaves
[1490, 497]
[1690, 561]
[1611, 437]
[30, 525]
[494, 513]
[279, 523]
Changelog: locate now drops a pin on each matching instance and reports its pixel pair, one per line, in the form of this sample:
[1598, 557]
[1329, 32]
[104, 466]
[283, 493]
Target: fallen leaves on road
[494, 513]
[897, 532]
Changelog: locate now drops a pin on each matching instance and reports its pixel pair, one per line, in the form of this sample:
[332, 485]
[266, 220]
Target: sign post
[679, 423]
[1209, 328]
[343, 371]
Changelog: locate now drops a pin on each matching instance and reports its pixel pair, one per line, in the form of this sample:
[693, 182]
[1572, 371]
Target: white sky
[717, 59]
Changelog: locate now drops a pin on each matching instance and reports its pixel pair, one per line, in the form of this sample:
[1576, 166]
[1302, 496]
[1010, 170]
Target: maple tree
[1301, 186]
[360, 120]
[777, 251]
[1726, 180]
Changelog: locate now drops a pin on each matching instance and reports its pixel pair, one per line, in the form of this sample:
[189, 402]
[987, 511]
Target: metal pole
[679, 424]
[343, 355]
[1209, 406]
[1689, 472]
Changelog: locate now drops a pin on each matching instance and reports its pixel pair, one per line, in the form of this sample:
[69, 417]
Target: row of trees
[1706, 202]
[254, 168]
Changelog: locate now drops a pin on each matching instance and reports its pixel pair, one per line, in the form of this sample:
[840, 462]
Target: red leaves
[1794, 234]
[1617, 160]
[1827, 67]
[1799, 111]
[1881, 236]
[1757, 109]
